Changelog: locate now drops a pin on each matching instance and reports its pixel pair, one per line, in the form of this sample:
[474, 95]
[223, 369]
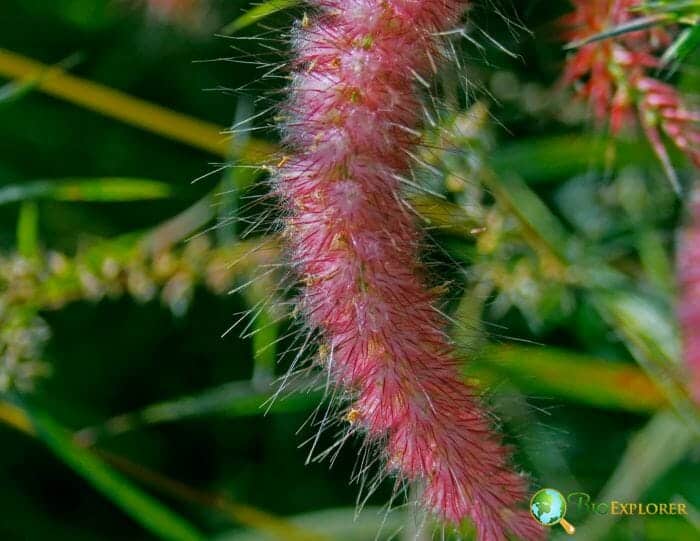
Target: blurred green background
[127, 415]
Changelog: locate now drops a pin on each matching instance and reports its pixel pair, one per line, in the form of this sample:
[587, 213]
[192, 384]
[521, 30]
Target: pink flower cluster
[351, 125]
[689, 303]
[613, 74]
[178, 11]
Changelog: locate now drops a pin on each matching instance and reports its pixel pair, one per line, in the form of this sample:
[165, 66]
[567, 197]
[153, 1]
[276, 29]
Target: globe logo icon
[548, 507]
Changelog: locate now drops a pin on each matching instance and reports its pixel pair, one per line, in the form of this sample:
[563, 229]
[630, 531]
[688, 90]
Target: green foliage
[140, 506]
[95, 190]
[256, 14]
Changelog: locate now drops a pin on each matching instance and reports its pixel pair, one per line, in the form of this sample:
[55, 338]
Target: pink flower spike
[185, 13]
[617, 82]
[689, 301]
[351, 123]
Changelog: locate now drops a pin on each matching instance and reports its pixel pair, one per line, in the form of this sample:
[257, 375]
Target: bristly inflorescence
[186, 13]
[351, 122]
[689, 300]
[615, 76]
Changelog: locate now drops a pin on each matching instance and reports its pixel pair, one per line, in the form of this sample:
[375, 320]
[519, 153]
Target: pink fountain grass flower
[689, 302]
[182, 12]
[614, 76]
[350, 127]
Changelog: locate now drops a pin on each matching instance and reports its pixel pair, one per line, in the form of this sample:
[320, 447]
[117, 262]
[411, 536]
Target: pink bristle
[689, 301]
[350, 123]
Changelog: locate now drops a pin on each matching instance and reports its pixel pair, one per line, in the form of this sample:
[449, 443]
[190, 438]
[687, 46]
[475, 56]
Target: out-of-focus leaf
[635, 25]
[264, 337]
[655, 260]
[279, 529]
[150, 513]
[257, 13]
[685, 43]
[15, 417]
[568, 375]
[542, 228]
[444, 216]
[542, 370]
[122, 493]
[658, 528]
[86, 190]
[693, 513]
[338, 524]
[645, 328]
[16, 90]
[28, 230]
[13, 91]
[677, 9]
[237, 399]
[548, 159]
[127, 109]
[654, 450]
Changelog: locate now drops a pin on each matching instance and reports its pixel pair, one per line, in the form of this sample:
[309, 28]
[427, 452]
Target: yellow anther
[353, 416]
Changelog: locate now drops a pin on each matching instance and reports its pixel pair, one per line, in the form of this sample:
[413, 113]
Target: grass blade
[146, 510]
[255, 519]
[16, 90]
[341, 524]
[685, 43]
[663, 442]
[550, 159]
[635, 25]
[569, 375]
[646, 330]
[551, 371]
[28, 230]
[86, 190]
[136, 112]
[236, 399]
[256, 14]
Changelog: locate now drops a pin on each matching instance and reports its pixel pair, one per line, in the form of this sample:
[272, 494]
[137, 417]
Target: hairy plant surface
[352, 116]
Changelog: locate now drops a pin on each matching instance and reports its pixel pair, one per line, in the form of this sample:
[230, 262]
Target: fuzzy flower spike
[351, 125]
[616, 76]
[689, 300]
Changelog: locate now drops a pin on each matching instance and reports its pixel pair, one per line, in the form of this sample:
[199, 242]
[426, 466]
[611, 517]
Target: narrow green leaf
[28, 229]
[256, 14]
[635, 25]
[655, 261]
[264, 340]
[338, 524]
[693, 513]
[444, 216]
[236, 399]
[16, 90]
[682, 7]
[148, 511]
[569, 375]
[646, 329]
[540, 225]
[560, 157]
[685, 43]
[86, 190]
